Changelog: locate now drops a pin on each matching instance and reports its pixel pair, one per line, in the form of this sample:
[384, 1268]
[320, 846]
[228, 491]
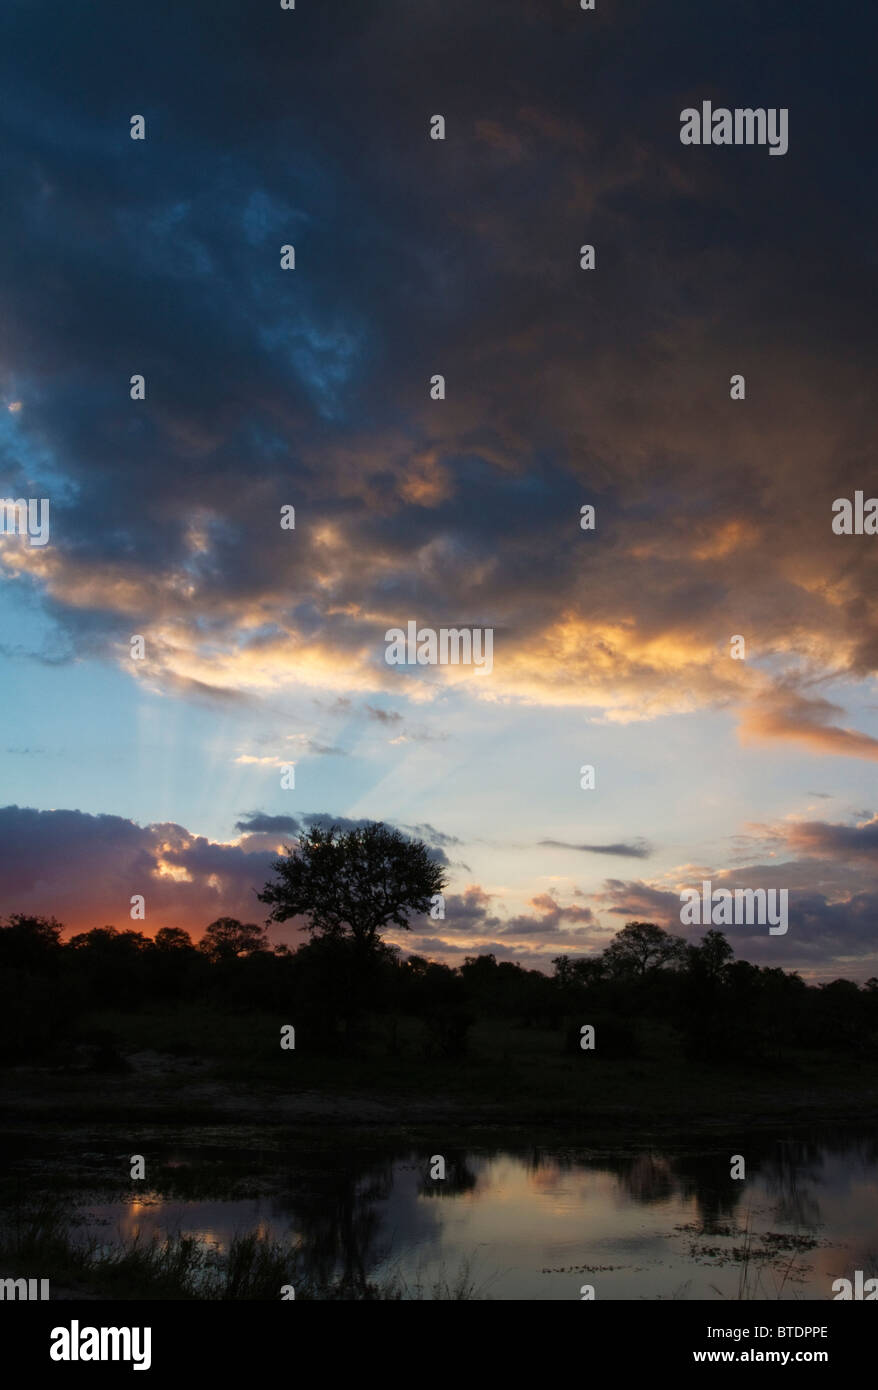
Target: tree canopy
[354, 883]
[228, 939]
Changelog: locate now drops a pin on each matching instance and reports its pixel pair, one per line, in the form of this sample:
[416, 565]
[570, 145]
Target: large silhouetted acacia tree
[641, 947]
[353, 884]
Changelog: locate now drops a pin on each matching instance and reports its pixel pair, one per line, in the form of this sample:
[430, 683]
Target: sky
[564, 387]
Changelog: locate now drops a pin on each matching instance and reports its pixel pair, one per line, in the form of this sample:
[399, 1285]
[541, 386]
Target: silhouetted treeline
[719, 1009]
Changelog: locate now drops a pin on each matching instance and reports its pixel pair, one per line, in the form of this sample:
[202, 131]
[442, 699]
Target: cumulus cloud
[467, 515]
[84, 868]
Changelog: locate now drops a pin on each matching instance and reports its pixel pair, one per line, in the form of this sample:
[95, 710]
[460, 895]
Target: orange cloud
[797, 719]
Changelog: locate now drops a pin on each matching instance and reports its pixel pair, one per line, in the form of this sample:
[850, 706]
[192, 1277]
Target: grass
[180, 1267]
[756, 1256]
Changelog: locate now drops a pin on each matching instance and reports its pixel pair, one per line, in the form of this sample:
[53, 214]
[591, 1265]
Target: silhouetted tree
[111, 964]
[349, 887]
[228, 939]
[642, 946]
[173, 939]
[30, 943]
[354, 884]
[708, 960]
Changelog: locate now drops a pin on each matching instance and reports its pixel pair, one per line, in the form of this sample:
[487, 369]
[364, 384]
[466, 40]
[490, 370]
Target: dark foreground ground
[202, 1066]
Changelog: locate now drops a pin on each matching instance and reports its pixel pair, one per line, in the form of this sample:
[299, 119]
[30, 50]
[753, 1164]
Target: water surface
[539, 1224]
